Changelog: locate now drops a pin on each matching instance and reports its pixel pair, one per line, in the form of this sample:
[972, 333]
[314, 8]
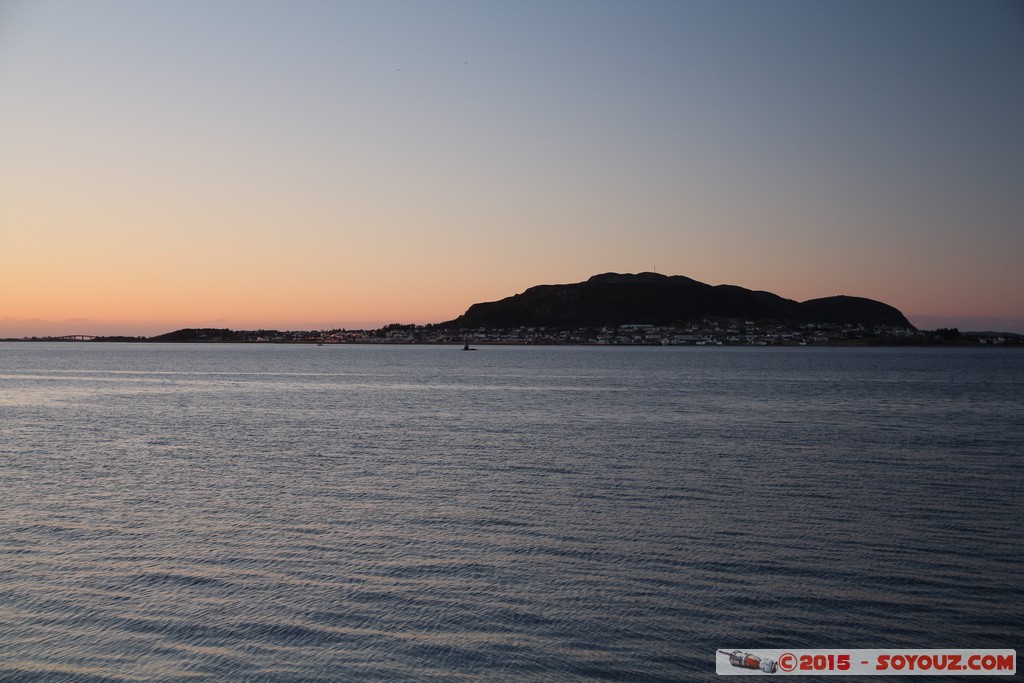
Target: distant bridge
[77, 337]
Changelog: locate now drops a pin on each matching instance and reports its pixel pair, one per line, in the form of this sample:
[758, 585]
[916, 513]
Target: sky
[315, 165]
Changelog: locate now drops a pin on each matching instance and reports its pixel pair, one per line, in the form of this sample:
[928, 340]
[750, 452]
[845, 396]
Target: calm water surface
[302, 513]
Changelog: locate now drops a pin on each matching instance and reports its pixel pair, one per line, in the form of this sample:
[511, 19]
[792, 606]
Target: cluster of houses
[702, 333]
[708, 332]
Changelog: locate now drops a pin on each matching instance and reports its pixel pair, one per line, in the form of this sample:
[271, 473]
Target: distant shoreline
[425, 336]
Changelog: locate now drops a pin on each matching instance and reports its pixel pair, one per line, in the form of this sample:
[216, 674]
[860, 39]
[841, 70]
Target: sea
[221, 512]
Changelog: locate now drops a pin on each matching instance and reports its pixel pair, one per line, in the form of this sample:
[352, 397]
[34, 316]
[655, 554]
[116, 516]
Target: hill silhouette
[613, 299]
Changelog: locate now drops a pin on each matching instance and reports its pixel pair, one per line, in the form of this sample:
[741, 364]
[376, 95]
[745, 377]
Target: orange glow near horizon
[355, 171]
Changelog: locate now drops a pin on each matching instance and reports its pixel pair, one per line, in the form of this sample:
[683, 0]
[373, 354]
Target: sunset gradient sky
[270, 164]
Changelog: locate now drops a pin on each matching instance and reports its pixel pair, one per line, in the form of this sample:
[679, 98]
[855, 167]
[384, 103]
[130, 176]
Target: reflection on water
[413, 513]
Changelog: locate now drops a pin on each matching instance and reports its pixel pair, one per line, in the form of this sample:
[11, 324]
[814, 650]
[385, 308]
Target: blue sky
[347, 163]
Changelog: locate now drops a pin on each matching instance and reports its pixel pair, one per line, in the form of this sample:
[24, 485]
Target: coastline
[561, 338]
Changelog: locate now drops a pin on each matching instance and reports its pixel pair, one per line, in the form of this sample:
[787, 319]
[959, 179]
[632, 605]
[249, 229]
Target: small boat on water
[466, 347]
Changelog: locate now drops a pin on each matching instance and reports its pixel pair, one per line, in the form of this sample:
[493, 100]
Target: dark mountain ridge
[612, 299]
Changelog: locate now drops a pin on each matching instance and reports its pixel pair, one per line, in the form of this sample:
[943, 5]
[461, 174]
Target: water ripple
[272, 514]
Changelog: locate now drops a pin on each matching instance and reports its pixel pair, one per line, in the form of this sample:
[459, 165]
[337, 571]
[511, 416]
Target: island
[627, 309]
